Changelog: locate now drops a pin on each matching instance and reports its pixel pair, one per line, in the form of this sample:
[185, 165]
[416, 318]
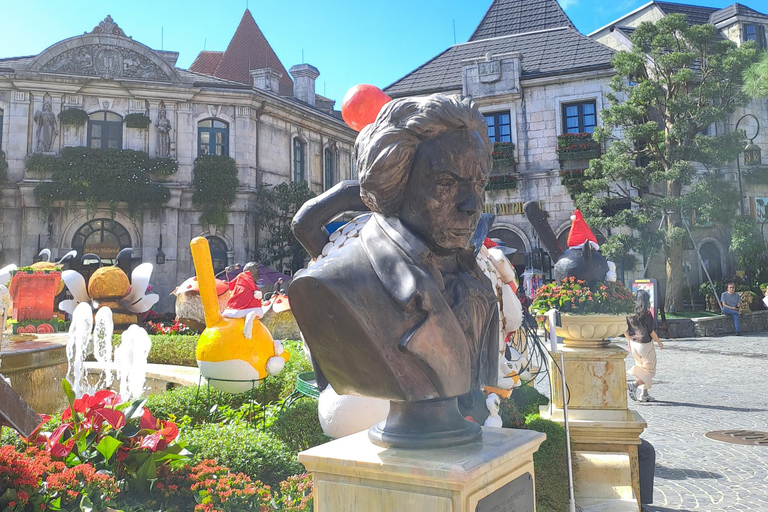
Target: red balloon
[362, 104]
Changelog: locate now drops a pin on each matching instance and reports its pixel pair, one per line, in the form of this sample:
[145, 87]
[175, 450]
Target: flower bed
[574, 296]
[503, 154]
[574, 146]
[502, 182]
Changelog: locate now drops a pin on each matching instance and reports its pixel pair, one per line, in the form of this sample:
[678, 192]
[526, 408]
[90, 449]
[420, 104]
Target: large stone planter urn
[591, 331]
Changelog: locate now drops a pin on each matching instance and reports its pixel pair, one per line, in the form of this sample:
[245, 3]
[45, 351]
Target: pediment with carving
[106, 61]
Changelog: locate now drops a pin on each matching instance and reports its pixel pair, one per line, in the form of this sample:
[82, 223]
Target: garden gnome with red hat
[246, 298]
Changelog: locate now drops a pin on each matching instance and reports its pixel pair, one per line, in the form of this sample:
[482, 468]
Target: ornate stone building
[273, 136]
[537, 79]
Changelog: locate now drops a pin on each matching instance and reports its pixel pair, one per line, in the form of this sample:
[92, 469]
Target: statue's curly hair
[385, 149]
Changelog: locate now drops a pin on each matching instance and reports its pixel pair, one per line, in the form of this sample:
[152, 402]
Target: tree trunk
[673, 300]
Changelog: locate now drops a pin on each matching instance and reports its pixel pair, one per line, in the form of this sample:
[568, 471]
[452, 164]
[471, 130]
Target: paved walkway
[706, 384]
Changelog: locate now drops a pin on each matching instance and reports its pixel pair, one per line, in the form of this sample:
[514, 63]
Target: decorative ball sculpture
[362, 104]
[231, 361]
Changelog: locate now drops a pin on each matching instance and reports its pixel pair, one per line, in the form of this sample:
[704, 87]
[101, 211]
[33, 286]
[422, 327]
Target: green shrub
[181, 401]
[9, 436]
[524, 401]
[243, 449]
[283, 384]
[550, 464]
[169, 349]
[299, 427]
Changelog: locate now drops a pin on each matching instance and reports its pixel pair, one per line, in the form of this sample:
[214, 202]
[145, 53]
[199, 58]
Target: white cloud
[565, 4]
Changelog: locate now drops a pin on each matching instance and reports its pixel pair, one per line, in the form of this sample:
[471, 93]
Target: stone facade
[105, 71]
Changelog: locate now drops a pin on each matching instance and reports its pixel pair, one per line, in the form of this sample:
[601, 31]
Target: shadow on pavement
[664, 403]
[651, 508]
[683, 474]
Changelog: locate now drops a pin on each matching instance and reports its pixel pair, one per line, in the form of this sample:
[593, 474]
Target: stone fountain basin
[160, 377]
[36, 369]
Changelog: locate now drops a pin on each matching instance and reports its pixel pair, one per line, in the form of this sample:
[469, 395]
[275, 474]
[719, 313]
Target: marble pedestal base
[352, 474]
[605, 434]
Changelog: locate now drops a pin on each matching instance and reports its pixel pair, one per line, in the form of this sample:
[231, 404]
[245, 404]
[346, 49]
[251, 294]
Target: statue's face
[445, 192]
[46, 106]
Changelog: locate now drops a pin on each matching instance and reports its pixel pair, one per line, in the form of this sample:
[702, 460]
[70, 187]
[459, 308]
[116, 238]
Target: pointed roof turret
[507, 17]
[247, 50]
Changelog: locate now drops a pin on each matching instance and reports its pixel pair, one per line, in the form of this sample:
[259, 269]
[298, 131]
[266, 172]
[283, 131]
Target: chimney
[304, 76]
[266, 79]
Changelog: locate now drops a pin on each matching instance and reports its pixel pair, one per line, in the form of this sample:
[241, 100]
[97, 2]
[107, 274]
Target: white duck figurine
[493, 403]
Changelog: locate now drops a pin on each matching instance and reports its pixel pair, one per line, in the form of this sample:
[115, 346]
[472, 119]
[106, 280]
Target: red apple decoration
[362, 104]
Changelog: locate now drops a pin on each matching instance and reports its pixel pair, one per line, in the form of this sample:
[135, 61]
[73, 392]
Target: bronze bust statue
[403, 312]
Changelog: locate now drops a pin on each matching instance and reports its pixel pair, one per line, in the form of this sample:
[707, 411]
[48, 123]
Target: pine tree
[677, 85]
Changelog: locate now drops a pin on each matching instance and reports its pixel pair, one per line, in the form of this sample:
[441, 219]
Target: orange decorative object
[362, 104]
[33, 293]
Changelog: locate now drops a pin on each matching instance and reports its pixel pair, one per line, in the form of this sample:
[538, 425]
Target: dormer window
[755, 33]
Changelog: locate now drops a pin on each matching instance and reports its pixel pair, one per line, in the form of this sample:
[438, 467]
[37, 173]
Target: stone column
[605, 433]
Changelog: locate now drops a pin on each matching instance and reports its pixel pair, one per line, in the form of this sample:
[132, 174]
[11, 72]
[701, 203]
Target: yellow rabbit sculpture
[224, 355]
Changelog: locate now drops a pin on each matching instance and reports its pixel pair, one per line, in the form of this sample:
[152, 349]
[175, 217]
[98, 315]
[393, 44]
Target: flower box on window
[577, 146]
[502, 182]
[503, 154]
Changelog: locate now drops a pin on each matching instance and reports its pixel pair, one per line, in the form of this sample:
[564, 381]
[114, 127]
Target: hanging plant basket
[502, 182]
[73, 117]
[579, 155]
[140, 121]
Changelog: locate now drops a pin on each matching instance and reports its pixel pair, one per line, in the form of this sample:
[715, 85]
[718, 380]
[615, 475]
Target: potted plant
[576, 146]
[590, 316]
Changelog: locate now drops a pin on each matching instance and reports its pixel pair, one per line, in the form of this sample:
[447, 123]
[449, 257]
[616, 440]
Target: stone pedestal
[35, 369]
[353, 474]
[605, 433]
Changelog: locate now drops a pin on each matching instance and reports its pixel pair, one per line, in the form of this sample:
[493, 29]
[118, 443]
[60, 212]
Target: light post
[752, 156]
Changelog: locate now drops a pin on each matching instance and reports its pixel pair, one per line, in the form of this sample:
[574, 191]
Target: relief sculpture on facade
[106, 61]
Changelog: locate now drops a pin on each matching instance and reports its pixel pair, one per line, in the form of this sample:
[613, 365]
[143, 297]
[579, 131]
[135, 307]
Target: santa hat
[580, 232]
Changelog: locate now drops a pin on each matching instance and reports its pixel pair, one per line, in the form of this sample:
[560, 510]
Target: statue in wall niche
[163, 127]
[46, 127]
[403, 312]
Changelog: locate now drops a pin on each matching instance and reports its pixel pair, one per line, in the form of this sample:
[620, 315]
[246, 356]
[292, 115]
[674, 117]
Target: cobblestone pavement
[705, 384]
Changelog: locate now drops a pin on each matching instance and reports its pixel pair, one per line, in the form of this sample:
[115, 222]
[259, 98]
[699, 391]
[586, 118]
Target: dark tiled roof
[247, 50]
[734, 10]
[206, 62]
[627, 30]
[573, 52]
[506, 17]
[696, 14]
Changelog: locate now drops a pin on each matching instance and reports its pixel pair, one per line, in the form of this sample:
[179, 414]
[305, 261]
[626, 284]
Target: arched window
[212, 137]
[105, 130]
[218, 253]
[102, 237]
[298, 160]
[330, 168]
[710, 256]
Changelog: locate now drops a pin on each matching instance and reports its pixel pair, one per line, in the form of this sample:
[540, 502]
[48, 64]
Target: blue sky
[349, 41]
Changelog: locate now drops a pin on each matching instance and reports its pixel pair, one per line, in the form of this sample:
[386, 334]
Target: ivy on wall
[40, 164]
[214, 179]
[97, 176]
[137, 121]
[73, 117]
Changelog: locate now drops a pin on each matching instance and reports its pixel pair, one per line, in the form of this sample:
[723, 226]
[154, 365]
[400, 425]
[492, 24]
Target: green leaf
[85, 504]
[71, 399]
[107, 446]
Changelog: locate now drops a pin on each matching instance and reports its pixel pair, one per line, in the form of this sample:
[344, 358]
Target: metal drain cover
[747, 437]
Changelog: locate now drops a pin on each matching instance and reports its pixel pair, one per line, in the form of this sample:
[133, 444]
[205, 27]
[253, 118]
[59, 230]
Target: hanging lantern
[752, 154]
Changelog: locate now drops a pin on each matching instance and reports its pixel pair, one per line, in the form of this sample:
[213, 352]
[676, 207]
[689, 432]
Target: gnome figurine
[582, 259]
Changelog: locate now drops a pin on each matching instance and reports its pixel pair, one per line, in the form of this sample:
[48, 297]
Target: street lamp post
[752, 156]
